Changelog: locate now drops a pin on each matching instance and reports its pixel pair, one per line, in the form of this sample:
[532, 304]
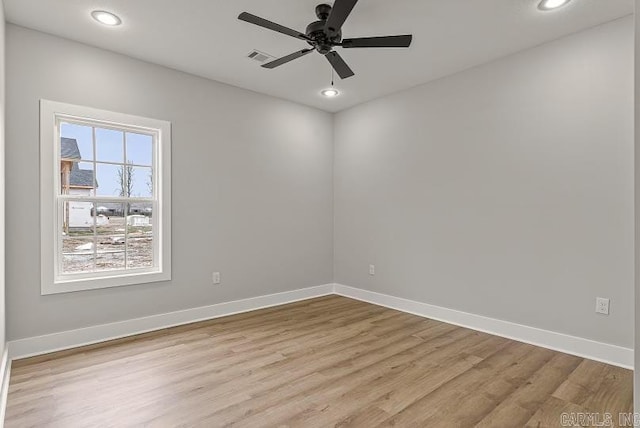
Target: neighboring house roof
[69, 149]
[78, 177]
[81, 177]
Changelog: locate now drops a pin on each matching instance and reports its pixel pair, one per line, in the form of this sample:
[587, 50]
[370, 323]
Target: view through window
[106, 199]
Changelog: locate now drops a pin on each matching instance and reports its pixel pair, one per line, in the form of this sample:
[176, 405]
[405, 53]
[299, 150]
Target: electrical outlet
[216, 278]
[372, 270]
[602, 306]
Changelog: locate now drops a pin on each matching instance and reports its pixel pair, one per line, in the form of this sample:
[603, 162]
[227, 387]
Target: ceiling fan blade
[285, 59]
[379, 42]
[339, 65]
[339, 13]
[252, 19]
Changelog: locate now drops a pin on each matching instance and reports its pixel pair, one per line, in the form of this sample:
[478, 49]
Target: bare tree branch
[125, 180]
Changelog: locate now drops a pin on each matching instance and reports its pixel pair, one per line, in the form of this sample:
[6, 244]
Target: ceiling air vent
[256, 55]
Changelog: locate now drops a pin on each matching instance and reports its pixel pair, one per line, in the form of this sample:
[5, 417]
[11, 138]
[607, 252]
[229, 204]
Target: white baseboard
[604, 352]
[5, 373]
[39, 345]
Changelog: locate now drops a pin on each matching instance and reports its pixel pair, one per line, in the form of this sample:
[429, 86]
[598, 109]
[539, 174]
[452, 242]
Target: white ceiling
[203, 37]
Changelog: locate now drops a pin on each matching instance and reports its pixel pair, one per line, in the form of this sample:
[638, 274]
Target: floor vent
[256, 55]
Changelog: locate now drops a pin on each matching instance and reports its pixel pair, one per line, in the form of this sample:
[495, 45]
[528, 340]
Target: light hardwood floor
[330, 361]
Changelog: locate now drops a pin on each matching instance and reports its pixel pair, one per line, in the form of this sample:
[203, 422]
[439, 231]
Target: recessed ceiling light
[330, 93]
[106, 18]
[552, 4]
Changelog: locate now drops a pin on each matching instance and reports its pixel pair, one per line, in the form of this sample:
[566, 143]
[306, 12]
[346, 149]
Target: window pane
[111, 223]
[142, 182]
[77, 254]
[110, 259]
[77, 218]
[141, 208]
[139, 237]
[111, 209]
[110, 230]
[76, 142]
[78, 180]
[109, 145]
[139, 149]
[76, 221]
[111, 180]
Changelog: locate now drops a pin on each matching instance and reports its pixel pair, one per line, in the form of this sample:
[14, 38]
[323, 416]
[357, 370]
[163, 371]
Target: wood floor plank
[593, 383]
[480, 388]
[517, 409]
[330, 361]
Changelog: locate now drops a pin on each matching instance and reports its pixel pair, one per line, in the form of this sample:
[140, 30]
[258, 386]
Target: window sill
[108, 281]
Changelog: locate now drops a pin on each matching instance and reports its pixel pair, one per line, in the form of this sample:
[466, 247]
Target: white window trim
[50, 112]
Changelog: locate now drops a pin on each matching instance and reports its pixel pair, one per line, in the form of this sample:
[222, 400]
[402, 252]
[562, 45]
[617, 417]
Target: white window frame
[52, 281]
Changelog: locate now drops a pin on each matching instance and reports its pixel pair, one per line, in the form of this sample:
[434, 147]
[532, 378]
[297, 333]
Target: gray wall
[505, 190]
[258, 169]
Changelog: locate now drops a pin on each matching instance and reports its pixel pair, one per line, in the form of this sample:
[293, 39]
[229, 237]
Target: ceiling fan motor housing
[322, 41]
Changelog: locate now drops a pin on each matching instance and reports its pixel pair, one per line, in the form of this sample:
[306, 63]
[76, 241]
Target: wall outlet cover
[602, 305]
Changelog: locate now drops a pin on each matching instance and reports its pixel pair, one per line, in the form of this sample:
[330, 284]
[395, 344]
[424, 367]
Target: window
[105, 198]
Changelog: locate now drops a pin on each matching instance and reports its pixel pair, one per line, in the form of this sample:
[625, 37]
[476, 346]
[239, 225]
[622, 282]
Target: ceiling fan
[326, 34]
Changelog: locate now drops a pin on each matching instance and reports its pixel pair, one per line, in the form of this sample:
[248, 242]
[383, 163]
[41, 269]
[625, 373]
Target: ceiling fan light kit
[326, 34]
